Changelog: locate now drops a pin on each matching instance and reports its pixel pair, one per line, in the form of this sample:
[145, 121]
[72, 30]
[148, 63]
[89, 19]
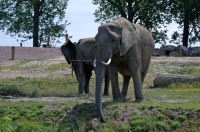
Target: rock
[186, 51]
[159, 52]
[174, 53]
[166, 79]
[179, 50]
[195, 51]
[168, 48]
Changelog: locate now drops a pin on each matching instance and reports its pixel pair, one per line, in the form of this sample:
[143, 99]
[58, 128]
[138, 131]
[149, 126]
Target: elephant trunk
[99, 80]
[103, 55]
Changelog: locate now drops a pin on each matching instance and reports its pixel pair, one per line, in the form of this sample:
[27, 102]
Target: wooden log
[166, 79]
[48, 41]
[13, 53]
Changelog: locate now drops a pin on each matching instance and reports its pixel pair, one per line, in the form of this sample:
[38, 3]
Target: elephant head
[69, 51]
[115, 40]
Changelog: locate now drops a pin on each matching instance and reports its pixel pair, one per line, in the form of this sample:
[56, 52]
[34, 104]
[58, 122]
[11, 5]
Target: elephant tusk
[94, 63]
[107, 63]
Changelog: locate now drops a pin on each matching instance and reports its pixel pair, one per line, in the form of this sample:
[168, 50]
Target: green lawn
[168, 108]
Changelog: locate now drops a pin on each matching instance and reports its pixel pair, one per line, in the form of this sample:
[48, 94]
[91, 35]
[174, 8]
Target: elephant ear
[129, 36]
[69, 51]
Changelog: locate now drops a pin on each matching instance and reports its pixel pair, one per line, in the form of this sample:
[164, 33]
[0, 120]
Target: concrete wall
[28, 52]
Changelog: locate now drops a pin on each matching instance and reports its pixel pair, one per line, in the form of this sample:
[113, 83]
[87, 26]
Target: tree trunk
[36, 24]
[130, 11]
[186, 26]
[166, 79]
[185, 33]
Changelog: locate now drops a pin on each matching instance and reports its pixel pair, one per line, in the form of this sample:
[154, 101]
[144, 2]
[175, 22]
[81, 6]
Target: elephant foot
[117, 100]
[123, 98]
[86, 92]
[139, 100]
[80, 92]
[106, 94]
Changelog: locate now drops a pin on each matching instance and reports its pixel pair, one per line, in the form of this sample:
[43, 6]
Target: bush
[11, 90]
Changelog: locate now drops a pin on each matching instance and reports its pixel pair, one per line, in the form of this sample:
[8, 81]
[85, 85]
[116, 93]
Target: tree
[152, 14]
[186, 13]
[33, 19]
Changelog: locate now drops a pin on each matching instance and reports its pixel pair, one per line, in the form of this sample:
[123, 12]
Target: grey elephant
[81, 56]
[126, 48]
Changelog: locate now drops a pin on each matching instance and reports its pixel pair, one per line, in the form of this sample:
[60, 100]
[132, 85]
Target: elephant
[126, 48]
[81, 56]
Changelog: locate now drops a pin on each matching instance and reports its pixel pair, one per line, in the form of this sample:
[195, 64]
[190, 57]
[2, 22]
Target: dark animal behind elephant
[126, 48]
[81, 56]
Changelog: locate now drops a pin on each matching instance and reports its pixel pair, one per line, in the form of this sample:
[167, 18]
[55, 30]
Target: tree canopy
[152, 14]
[186, 13]
[33, 19]
[155, 15]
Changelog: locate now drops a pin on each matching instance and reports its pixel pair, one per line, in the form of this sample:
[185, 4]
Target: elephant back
[145, 36]
[86, 49]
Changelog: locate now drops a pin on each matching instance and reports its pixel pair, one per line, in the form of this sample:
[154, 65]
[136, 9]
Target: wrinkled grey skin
[130, 47]
[81, 56]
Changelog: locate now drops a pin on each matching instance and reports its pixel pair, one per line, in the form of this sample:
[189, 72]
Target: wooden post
[13, 52]
[48, 40]
[66, 37]
[20, 44]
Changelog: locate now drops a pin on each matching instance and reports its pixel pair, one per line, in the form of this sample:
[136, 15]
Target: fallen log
[166, 79]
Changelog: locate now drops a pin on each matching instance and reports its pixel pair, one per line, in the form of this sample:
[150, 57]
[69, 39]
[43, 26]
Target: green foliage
[162, 126]
[175, 124]
[126, 128]
[160, 117]
[11, 90]
[181, 118]
[152, 14]
[188, 69]
[33, 19]
[186, 14]
[63, 87]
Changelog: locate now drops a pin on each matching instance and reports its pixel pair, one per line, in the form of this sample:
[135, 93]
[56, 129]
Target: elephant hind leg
[144, 72]
[88, 74]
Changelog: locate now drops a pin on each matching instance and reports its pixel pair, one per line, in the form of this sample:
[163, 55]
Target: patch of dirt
[48, 99]
[181, 60]
[36, 73]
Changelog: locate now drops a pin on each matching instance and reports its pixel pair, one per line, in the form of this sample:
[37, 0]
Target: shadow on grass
[82, 117]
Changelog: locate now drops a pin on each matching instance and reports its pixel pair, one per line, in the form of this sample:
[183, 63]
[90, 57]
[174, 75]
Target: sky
[81, 16]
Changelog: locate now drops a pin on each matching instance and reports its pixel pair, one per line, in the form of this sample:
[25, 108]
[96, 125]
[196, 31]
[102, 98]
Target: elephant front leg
[81, 83]
[88, 75]
[126, 80]
[113, 73]
[107, 81]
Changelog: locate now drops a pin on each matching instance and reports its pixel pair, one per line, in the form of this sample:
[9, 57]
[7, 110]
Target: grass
[170, 108]
[39, 87]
